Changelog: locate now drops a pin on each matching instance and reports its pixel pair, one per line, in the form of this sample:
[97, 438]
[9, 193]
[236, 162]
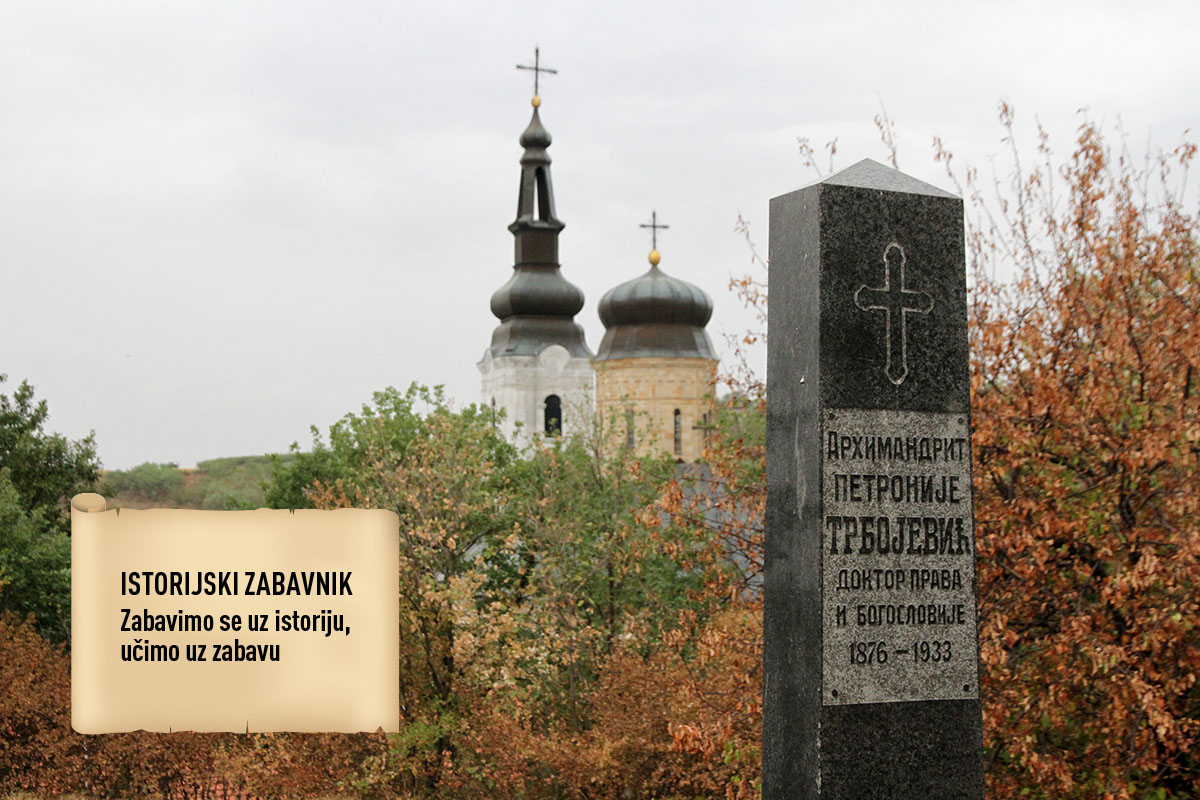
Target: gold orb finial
[537, 101]
[654, 258]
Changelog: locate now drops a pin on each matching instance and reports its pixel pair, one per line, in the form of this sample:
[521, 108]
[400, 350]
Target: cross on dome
[654, 229]
[537, 70]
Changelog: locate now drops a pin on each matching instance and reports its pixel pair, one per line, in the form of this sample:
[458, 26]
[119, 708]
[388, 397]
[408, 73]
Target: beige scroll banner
[233, 620]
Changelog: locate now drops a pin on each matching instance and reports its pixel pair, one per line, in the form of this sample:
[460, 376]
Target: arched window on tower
[553, 415]
[543, 195]
[678, 434]
[629, 428]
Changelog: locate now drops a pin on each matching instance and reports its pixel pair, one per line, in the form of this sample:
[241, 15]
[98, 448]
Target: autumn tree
[1086, 369]
[34, 708]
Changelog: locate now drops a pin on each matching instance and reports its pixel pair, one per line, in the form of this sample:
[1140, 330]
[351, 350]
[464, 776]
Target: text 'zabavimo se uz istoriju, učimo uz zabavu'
[233, 620]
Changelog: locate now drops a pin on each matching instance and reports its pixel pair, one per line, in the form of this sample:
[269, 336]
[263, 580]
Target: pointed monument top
[868, 174]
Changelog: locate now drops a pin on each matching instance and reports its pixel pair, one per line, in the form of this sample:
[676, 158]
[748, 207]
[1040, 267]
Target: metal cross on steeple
[654, 229]
[537, 69]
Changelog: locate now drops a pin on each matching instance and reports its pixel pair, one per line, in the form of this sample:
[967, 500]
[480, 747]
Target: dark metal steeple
[537, 306]
[535, 200]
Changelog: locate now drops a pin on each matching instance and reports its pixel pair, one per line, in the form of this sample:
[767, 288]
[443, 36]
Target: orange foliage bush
[1086, 392]
[629, 748]
[37, 749]
[40, 753]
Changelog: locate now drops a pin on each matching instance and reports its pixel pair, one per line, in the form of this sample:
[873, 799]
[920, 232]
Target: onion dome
[537, 290]
[537, 306]
[655, 315]
[535, 135]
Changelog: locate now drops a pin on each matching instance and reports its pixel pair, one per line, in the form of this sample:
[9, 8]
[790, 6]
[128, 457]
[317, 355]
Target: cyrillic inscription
[898, 557]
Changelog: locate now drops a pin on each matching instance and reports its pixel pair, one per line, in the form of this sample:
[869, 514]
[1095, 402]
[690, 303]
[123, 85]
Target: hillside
[217, 484]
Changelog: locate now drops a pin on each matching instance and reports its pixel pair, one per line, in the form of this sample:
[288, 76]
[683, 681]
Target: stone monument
[871, 675]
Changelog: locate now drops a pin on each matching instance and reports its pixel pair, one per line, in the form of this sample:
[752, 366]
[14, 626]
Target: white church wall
[521, 384]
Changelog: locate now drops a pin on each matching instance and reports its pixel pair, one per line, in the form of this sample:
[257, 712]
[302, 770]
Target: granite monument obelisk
[871, 685]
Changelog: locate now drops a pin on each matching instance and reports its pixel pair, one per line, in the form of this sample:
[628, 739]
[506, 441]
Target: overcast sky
[221, 223]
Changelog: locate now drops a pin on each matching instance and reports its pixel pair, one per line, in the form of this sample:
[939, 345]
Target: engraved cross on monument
[895, 301]
[871, 675]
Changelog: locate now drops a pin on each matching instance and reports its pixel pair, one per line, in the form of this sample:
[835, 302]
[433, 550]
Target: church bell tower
[538, 366]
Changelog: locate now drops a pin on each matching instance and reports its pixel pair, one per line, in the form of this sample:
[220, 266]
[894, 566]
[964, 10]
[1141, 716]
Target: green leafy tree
[39, 473]
[444, 474]
[586, 573]
[521, 575]
[46, 469]
[389, 425]
[35, 564]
